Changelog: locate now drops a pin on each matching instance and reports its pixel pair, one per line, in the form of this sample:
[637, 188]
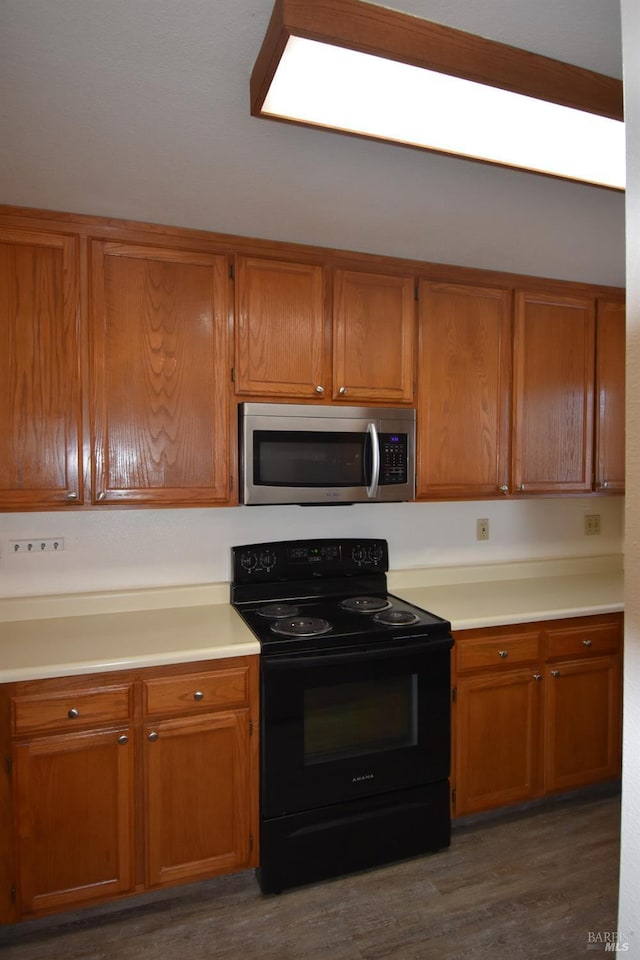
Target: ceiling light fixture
[358, 68]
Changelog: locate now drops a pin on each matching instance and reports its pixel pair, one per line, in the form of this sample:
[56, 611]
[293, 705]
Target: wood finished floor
[531, 885]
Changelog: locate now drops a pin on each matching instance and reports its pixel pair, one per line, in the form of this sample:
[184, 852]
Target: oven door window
[287, 458]
[360, 718]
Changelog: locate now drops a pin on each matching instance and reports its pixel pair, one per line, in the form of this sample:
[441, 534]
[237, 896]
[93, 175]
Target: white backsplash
[112, 549]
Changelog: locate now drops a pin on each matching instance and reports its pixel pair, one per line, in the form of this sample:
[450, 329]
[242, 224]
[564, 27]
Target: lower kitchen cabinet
[582, 707]
[125, 781]
[198, 774]
[197, 797]
[537, 710]
[74, 819]
[498, 744]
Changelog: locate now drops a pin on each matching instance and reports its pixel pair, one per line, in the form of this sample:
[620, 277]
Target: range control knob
[267, 560]
[248, 561]
[375, 553]
[359, 554]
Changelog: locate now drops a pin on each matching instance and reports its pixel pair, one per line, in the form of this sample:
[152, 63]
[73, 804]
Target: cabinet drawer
[193, 692]
[583, 640]
[496, 651]
[71, 708]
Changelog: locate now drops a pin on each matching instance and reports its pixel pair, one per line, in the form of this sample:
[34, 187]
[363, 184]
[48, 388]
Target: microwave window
[285, 458]
[357, 718]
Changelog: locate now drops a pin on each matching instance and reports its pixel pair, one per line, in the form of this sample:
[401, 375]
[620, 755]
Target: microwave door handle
[372, 488]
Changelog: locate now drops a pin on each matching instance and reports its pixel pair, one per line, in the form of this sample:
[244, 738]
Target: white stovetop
[84, 633]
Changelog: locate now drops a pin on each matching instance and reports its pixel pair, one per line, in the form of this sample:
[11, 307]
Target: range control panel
[302, 559]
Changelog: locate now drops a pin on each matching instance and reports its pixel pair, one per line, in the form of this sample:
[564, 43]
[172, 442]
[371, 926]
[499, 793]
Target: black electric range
[309, 595]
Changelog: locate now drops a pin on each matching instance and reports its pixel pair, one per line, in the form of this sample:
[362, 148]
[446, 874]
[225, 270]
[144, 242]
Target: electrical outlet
[592, 524]
[482, 529]
[36, 545]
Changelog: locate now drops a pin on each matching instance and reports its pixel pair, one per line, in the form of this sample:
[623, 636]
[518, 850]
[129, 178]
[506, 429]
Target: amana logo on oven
[363, 776]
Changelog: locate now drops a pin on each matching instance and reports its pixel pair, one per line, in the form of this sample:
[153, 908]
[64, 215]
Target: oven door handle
[372, 488]
[337, 657]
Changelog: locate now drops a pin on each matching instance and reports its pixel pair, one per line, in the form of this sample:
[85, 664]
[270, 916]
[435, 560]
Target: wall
[108, 549]
[150, 120]
[629, 916]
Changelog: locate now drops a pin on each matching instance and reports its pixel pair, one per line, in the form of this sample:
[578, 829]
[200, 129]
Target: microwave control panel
[393, 458]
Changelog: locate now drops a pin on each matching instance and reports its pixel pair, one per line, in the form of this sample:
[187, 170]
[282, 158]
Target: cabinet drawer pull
[537, 676]
[555, 673]
[586, 643]
[503, 653]
[503, 488]
[72, 495]
[342, 391]
[152, 736]
[198, 695]
[73, 713]
[319, 389]
[123, 738]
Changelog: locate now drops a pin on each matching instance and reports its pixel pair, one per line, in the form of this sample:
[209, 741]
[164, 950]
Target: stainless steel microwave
[313, 454]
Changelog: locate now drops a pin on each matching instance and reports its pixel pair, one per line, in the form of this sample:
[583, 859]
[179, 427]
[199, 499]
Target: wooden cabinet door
[197, 777]
[464, 384]
[40, 406]
[373, 337]
[73, 797]
[161, 369]
[582, 722]
[610, 388]
[553, 394]
[280, 329]
[498, 739]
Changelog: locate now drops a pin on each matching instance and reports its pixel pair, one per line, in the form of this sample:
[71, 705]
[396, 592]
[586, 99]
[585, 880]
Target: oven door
[341, 725]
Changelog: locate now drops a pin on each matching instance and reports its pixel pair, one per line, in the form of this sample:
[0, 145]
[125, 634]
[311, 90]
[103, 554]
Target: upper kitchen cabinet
[280, 346]
[40, 399]
[160, 364]
[291, 344]
[464, 383]
[554, 341]
[610, 387]
[373, 337]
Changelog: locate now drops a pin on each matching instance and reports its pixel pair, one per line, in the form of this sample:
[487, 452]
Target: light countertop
[490, 604]
[62, 646]
[64, 635]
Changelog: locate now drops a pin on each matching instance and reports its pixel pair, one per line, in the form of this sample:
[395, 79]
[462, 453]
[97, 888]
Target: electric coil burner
[275, 611]
[365, 604]
[355, 710]
[301, 627]
[396, 617]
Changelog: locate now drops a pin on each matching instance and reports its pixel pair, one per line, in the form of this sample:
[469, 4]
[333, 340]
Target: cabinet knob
[123, 738]
[520, 486]
[503, 488]
[72, 495]
[586, 643]
[152, 736]
[503, 653]
[342, 391]
[555, 673]
[73, 713]
[101, 496]
[319, 389]
[537, 676]
[604, 485]
[198, 695]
